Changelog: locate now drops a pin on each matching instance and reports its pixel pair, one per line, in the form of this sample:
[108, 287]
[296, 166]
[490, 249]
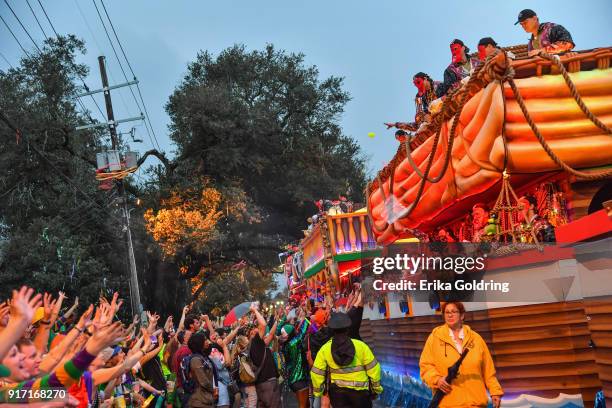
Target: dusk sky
[375, 46]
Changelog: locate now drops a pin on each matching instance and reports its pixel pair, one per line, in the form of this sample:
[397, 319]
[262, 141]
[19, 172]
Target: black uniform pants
[348, 398]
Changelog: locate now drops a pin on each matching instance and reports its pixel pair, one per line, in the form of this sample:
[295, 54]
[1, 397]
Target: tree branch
[162, 158]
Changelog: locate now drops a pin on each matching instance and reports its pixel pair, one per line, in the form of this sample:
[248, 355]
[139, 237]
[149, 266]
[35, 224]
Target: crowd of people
[51, 357]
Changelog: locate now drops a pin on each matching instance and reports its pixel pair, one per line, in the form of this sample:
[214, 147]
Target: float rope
[587, 176]
[574, 92]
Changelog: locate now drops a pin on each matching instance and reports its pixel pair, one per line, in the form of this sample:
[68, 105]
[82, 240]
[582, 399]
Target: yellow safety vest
[360, 374]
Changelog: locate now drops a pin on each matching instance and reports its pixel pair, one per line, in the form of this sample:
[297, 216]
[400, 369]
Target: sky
[376, 46]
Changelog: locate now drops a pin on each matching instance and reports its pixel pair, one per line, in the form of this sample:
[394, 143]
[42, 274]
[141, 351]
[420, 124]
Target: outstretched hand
[24, 304]
[86, 319]
[104, 337]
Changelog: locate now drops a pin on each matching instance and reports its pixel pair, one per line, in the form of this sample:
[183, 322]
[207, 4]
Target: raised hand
[48, 305]
[169, 325]
[104, 337]
[106, 315]
[115, 304]
[85, 321]
[24, 304]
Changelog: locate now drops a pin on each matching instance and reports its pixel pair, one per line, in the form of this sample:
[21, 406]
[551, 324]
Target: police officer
[354, 373]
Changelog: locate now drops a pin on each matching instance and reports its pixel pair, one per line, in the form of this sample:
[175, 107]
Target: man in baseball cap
[548, 37]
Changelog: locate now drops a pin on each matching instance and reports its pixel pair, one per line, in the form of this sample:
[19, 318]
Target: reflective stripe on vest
[346, 370]
[343, 383]
[371, 365]
[356, 369]
[317, 370]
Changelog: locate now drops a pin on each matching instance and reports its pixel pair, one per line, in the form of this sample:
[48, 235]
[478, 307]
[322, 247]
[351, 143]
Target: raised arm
[181, 325]
[209, 325]
[261, 322]
[22, 308]
[56, 354]
[228, 339]
[42, 334]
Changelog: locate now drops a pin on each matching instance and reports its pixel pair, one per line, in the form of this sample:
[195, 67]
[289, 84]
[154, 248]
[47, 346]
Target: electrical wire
[6, 60]
[40, 51]
[156, 144]
[22, 26]
[14, 36]
[80, 77]
[36, 18]
[76, 3]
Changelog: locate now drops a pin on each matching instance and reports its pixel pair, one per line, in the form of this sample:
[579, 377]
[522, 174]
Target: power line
[7, 61]
[36, 18]
[22, 26]
[14, 36]
[80, 77]
[110, 41]
[156, 144]
[48, 19]
[131, 70]
[76, 3]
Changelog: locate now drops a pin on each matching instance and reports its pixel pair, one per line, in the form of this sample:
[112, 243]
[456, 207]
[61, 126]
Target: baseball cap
[524, 15]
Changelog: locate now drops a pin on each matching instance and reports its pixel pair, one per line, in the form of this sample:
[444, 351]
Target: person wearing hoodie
[296, 366]
[477, 372]
[348, 365]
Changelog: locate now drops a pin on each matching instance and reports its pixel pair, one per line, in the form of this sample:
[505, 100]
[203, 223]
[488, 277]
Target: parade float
[328, 259]
[522, 139]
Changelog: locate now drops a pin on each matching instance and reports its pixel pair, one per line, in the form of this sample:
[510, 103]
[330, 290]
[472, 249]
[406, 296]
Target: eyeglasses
[451, 312]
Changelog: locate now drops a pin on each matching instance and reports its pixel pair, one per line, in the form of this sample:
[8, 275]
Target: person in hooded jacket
[296, 365]
[476, 373]
[348, 365]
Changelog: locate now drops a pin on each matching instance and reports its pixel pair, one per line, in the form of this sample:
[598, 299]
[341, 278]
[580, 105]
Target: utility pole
[112, 127]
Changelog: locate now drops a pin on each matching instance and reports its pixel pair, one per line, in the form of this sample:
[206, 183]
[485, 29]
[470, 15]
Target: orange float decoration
[483, 128]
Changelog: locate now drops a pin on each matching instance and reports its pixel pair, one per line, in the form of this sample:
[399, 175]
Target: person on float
[477, 371]
[459, 68]
[548, 37]
[354, 372]
[530, 220]
[480, 216]
[426, 94]
[486, 47]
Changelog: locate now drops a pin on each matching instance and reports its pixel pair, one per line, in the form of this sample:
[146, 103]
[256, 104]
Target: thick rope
[572, 87]
[587, 176]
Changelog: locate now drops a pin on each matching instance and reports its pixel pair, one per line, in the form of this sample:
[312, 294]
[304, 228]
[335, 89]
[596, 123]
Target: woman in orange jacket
[477, 372]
